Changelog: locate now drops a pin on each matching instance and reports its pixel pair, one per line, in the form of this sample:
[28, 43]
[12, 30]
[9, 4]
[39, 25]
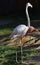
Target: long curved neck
[27, 16]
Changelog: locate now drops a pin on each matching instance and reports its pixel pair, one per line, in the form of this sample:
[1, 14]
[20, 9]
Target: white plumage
[19, 31]
[22, 29]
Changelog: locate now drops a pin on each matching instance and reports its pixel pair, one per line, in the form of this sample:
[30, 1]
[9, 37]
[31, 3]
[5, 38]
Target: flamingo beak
[31, 6]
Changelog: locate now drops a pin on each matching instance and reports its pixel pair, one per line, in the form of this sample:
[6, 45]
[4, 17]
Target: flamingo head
[29, 5]
[32, 29]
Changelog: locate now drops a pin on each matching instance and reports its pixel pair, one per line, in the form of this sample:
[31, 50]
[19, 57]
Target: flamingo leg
[23, 38]
[21, 51]
[20, 41]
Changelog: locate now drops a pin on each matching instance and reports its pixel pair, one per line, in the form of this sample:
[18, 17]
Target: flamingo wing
[19, 31]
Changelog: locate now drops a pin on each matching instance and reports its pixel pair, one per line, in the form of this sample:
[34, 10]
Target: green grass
[7, 54]
[5, 31]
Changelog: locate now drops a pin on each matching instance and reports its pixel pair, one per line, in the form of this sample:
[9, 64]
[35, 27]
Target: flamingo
[22, 30]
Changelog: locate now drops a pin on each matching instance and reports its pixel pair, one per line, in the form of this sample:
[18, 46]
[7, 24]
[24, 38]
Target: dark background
[13, 12]
[11, 7]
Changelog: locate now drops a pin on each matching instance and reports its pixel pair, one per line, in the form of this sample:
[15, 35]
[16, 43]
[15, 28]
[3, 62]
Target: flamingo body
[19, 31]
